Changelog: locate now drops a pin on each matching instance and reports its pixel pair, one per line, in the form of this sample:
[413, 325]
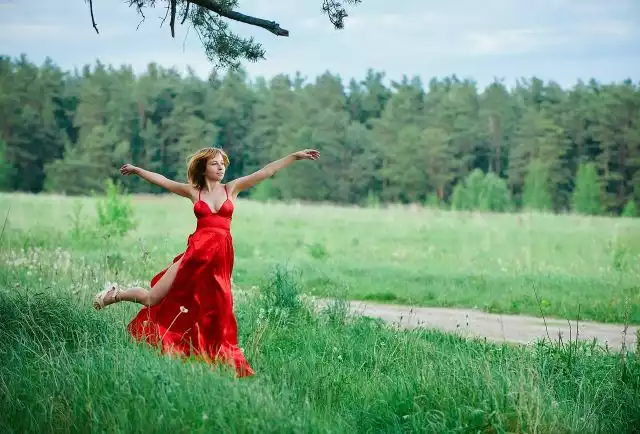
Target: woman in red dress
[189, 308]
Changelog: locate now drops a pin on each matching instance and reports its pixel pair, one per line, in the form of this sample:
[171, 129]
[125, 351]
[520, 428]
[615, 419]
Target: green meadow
[66, 368]
[586, 266]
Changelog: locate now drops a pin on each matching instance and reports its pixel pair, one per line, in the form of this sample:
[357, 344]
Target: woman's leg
[138, 294]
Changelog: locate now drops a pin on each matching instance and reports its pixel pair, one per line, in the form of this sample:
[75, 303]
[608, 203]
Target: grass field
[66, 368]
[576, 265]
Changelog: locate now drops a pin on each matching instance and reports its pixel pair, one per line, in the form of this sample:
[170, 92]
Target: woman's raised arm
[179, 188]
[238, 185]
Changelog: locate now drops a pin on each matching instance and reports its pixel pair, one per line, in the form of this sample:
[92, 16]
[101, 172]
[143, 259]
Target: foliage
[115, 211]
[586, 196]
[399, 143]
[280, 295]
[495, 194]
[536, 195]
[5, 167]
[210, 19]
[630, 209]
[482, 192]
[264, 191]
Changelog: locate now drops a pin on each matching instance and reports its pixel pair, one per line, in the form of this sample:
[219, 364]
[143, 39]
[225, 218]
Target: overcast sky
[561, 40]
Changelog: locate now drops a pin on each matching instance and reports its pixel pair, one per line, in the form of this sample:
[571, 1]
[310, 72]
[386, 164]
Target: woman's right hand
[129, 169]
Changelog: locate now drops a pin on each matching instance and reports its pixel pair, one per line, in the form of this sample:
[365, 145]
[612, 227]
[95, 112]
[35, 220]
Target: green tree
[497, 124]
[467, 193]
[616, 127]
[495, 195]
[439, 160]
[367, 98]
[87, 166]
[362, 174]
[29, 126]
[454, 108]
[586, 195]
[537, 195]
[630, 209]
[231, 108]
[5, 167]
[69, 131]
[318, 119]
[483, 192]
[395, 145]
[540, 138]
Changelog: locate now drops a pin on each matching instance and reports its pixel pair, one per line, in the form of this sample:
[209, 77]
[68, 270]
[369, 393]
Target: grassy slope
[66, 368]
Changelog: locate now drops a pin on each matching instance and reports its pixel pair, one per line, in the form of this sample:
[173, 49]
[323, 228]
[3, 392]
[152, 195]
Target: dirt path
[497, 327]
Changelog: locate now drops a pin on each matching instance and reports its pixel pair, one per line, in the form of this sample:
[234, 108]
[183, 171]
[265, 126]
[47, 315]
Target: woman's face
[215, 169]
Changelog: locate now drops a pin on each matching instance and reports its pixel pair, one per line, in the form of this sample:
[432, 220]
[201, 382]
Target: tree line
[445, 142]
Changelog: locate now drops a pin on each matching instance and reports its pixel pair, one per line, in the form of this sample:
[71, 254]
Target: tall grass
[578, 265]
[66, 368]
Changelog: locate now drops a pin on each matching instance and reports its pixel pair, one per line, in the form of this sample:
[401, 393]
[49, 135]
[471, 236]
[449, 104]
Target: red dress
[196, 316]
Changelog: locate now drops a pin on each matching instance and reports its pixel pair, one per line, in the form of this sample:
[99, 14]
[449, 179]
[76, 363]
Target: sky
[560, 40]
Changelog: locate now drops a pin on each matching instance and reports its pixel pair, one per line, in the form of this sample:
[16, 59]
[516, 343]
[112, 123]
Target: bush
[115, 213]
[372, 200]
[586, 195]
[494, 195]
[630, 209]
[264, 191]
[537, 194]
[482, 192]
[281, 294]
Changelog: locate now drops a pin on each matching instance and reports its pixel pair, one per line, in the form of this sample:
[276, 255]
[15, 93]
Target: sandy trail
[497, 327]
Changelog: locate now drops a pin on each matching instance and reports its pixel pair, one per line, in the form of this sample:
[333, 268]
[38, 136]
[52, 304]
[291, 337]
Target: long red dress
[196, 316]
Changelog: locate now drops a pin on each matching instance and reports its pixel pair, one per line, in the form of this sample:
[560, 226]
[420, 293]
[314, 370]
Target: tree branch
[186, 13]
[142, 20]
[271, 26]
[173, 18]
[93, 20]
[165, 15]
[336, 12]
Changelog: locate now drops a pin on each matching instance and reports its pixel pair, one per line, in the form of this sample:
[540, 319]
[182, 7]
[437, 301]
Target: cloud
[26, 32]
[568, 36]
[493, 37]
[614, 30]
[512, 41]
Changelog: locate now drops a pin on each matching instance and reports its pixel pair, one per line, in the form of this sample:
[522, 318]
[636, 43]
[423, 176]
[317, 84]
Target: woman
[189, 309]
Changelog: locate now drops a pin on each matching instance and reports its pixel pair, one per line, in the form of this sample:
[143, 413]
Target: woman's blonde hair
[197, 165]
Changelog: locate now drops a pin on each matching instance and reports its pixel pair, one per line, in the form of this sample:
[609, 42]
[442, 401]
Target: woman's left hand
[307, 154]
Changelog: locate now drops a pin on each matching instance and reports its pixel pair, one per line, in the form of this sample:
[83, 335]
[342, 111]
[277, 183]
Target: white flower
[183, 309]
